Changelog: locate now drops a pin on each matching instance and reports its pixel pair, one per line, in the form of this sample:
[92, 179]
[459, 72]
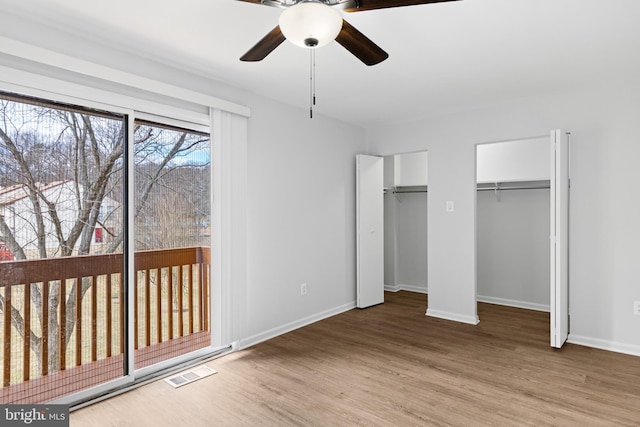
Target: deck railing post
[6, 375]
[108, 317]
[94, 318]
[63, 325]
[78, 281]
[26, 339]
[158, 304]
[44, 340]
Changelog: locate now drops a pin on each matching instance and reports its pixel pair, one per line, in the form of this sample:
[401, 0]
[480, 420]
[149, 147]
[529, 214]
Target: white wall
[405, 242]
[604, 230]
[526, 160]
[301, 217]
[411, 169]
[411, 229]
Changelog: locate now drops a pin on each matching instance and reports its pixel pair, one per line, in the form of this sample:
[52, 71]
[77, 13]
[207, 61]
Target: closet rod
[482, 189]
[543, 187]
[514, 188]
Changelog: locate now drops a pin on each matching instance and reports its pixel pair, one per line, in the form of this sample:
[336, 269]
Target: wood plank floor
[390, 365]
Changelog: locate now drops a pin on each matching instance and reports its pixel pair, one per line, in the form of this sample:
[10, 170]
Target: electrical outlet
[303, 289]
[636, 308]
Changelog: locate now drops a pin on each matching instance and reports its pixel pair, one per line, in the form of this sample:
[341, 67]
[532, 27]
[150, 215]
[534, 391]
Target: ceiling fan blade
[359, 45]
[265, 46]
[252, 1]
[383, 4]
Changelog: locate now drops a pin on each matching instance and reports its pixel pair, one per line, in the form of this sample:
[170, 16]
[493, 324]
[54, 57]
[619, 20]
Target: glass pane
[172, 242]
[61, 261]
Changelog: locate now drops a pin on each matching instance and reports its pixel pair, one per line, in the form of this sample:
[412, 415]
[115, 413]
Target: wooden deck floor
[390, 365]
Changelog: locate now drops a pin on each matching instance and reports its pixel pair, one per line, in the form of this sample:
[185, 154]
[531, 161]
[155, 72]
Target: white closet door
[370, 232]
[559, 238]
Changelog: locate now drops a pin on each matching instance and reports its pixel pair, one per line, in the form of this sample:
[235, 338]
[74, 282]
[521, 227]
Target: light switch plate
[449, 205]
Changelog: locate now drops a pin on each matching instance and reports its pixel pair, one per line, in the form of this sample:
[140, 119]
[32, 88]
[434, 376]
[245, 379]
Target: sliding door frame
[226, 301]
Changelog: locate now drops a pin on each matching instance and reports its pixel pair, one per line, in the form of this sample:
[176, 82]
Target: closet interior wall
[405, 216]
[513, 218]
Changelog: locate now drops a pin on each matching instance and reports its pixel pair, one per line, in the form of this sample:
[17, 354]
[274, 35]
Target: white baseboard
[472, 320]
[618, 347]
[272, 333]
[410, 288]
[513, 303]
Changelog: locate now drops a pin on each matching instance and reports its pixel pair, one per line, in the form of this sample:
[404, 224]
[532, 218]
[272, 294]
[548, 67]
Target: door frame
[559, 152]
[559, 238]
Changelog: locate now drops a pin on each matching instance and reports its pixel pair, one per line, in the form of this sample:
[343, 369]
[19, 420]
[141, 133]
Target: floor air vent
[187, 377]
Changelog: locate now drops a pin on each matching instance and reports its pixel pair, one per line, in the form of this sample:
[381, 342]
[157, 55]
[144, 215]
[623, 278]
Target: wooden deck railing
[171, 313]
[63, 319]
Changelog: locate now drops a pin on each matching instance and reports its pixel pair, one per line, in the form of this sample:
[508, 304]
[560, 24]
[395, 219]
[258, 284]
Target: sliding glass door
[172, 241]
[71, 216]
[62, 283]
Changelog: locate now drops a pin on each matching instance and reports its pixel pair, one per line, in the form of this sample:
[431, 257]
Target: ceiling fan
[314, 23]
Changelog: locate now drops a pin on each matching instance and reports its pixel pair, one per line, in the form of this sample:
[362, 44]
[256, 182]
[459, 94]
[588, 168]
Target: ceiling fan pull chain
[312, 80]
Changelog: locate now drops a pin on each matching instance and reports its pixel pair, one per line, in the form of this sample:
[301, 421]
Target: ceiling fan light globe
[310, 21]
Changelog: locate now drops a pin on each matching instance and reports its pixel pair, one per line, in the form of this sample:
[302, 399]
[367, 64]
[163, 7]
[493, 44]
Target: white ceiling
[443, 57]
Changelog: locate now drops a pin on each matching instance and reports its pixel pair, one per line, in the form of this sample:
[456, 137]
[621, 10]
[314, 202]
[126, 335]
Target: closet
[513, 222]
[405, 222]
[522, 225]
